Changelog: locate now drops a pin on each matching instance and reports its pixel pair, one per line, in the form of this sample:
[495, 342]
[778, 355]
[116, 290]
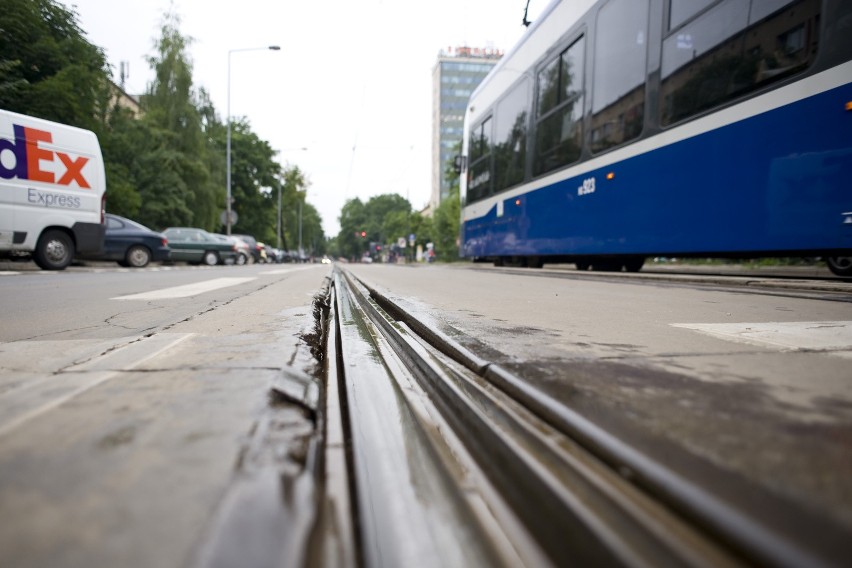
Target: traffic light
[363, 234]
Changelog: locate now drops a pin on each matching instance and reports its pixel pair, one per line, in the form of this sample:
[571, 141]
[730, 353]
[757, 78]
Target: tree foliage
[353, 220]
[167, 167]
[255, 180]
[185, 190]
[383, 219]
[302, 224]
[447, 216]
[47, 67]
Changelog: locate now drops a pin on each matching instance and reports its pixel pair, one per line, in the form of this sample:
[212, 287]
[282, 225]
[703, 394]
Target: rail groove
[454, 461]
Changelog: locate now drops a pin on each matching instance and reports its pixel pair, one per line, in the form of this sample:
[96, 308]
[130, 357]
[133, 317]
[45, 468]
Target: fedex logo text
[29, 157]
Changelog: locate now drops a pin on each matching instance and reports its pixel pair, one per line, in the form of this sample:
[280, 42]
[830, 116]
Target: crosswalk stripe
[186, 290]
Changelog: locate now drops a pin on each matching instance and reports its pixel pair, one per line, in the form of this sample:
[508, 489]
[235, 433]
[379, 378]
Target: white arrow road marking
[186, 290]
[830, 336]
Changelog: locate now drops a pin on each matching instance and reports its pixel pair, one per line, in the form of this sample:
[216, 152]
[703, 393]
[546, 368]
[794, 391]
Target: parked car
[274, 255]
[198, 246]
[244, 255]
[130, 244]
[253, 246]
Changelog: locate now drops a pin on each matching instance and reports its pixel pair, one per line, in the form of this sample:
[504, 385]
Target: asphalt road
[123, 417]
[130, 399]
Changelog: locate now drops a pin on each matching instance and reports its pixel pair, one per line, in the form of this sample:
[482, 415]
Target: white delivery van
[52, 190]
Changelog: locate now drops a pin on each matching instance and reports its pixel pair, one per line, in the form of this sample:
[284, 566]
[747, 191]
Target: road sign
[223, 217]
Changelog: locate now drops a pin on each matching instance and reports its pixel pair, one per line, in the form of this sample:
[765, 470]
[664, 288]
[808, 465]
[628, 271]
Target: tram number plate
[587, 187]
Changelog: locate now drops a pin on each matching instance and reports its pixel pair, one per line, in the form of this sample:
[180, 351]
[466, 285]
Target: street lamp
[228, 142]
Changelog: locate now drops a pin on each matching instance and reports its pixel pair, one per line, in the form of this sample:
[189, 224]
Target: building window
[618, 90]
[559, 104]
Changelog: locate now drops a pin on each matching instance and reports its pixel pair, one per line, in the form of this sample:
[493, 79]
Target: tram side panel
[775, 182]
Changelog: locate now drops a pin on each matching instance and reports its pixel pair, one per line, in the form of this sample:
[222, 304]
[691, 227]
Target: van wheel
[210, 258]
[138, 256]
[54, 251]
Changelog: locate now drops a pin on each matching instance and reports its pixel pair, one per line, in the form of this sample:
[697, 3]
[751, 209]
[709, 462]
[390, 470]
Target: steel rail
[742, 537]
[533, 482]
[825, 288]
[411, 499]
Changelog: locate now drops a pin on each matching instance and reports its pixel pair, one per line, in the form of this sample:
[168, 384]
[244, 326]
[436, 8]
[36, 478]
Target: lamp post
[228, 139]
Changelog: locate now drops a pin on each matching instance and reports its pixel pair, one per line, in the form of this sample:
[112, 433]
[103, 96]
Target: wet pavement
[760, 424]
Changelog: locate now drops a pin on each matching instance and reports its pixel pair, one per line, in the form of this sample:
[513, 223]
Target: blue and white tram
[622, 129]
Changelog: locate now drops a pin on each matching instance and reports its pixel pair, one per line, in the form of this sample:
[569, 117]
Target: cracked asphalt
[128, 427]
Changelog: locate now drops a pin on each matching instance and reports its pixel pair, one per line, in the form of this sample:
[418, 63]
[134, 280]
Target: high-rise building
[457, 73]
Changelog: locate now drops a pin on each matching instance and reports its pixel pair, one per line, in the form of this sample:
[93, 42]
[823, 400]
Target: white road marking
[86, 376]
[834, 337]
[287, 270]
[186, 290]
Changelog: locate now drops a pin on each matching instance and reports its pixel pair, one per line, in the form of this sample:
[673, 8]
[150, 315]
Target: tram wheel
[840, 265]
[634, 264]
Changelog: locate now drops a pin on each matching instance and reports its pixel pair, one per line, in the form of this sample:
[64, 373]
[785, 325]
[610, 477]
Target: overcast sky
[352, 82]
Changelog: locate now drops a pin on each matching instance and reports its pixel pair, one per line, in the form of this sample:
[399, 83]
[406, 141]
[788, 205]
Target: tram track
[816, 287]
[454, 461]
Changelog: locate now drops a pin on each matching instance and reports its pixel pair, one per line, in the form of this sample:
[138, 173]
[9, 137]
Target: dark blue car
[131, 244]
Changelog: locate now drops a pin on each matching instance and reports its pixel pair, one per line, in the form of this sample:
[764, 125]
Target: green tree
[47, 68]
[295, 187]
[378, 209]
[397, 224]
[353, 220]
[167, 168]
[121, 161]
[183, 183]
[447, 216]
[255, 179]
[313, 235]
[384, 219]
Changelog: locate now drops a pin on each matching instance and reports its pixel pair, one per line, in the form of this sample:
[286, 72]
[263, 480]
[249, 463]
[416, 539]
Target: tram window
[618, 90]
[510, 137]
[559, 126]
[479, 171]
[735, 48]
[682, 10]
